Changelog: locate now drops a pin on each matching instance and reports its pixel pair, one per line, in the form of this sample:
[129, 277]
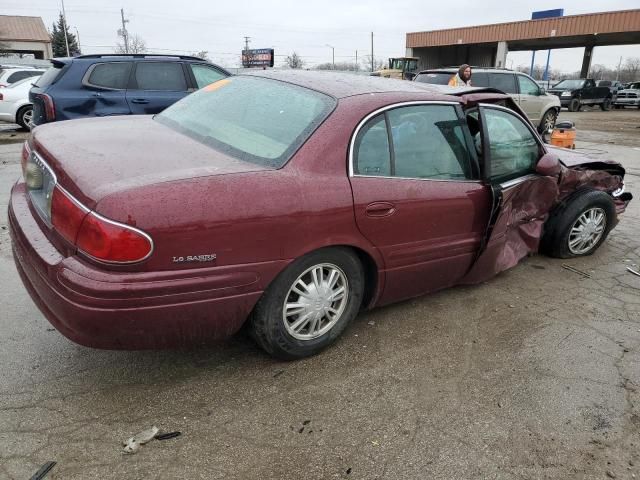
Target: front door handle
[380, 209]
[139, 100]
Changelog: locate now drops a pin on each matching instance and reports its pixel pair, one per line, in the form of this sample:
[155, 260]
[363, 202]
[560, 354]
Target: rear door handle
[380, 209]
[139, 100]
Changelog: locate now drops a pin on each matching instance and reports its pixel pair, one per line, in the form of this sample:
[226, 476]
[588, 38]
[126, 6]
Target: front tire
[606, 105]
[580, 226]
[309, 304]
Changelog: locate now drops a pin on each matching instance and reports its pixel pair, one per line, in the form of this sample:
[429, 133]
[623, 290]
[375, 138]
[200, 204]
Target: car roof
[341, 85]
[474, 69]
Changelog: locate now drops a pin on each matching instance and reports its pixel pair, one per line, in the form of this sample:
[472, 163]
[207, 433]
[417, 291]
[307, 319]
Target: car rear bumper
[131, 310]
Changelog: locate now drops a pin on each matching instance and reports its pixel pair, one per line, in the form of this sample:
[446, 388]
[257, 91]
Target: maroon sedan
[290, 201]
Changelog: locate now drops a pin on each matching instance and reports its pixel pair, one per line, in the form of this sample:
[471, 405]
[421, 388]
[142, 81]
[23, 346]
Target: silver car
[541, 108]
[629, 97]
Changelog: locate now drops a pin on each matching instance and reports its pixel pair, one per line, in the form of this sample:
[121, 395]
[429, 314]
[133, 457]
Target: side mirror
[548, 165]
[542, 91]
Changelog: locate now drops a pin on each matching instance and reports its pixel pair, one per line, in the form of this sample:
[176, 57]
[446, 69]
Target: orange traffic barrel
[564, 135]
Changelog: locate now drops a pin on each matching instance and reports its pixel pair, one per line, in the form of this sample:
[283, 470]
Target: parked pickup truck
[574, 93]
[629, 97]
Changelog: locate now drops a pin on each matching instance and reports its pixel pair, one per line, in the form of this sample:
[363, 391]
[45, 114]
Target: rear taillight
[95, 235]
[49, 107]
[1, 97]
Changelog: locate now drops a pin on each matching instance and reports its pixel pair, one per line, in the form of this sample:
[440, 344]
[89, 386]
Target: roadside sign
[260, 57]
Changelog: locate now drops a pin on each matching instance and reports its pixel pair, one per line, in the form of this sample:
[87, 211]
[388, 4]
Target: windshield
[634, 86]
[257, 120]
[569, 84]
[440, 78]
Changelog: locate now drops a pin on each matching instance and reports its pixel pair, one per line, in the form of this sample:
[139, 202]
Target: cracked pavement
[534, 374]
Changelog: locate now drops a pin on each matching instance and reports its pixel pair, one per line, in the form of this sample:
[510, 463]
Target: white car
[13, 74]
[14, 103]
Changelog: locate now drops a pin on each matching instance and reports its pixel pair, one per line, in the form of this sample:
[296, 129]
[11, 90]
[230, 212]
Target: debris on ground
[575, 270]
[167, 436]
[133, 444]
[371, 323]
[42, 472]
[633, 271]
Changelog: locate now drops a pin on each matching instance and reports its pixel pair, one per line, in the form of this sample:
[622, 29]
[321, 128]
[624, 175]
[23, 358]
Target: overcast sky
[307, 28]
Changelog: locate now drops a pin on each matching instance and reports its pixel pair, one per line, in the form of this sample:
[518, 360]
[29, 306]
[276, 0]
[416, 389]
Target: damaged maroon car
[290, 201]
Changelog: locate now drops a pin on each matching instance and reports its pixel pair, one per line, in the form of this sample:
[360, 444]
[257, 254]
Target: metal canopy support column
[586, 61]
[501, 55]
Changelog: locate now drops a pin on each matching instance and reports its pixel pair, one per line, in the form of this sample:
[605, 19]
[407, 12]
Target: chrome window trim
[362, 122]
[516, 181]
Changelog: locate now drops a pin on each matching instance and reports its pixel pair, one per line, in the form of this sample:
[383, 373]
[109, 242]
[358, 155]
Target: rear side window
[49, 76]
[480, 79]
[503, 81]
[21, 75]
[112, 75]
[205, 75]
[160, 76]
[428, 142]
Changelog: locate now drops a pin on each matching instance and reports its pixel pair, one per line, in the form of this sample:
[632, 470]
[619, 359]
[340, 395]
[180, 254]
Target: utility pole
[372, 51]
[78, 37]
[246, 43]
[247, 59]
[618, 71]
[123, 33]
[64, 21]
[356, 67]
[333, 56]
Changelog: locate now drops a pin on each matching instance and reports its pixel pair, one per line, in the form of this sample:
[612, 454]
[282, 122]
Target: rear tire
[606, 105]
[24, 117]
[575, 105]
[548, 121]
[302, 311]
[579, 227]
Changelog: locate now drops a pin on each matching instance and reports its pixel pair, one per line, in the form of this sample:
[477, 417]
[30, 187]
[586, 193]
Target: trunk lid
[97, 157]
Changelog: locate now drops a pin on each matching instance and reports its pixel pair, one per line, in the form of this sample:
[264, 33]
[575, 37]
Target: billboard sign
[260, 57]
[558, 12]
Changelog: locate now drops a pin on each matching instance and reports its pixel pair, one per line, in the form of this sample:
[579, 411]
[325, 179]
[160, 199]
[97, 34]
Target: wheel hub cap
[587, 231]
[315, 302]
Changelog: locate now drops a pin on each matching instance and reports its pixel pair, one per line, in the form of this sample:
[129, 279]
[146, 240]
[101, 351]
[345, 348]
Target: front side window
[257, 120]
[206, 75]
[527, 86]
[427, 142]
[168, 76]
[112, 75]
[513, 148]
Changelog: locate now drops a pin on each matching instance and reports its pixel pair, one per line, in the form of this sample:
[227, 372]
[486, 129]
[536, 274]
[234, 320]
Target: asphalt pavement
[531, 375]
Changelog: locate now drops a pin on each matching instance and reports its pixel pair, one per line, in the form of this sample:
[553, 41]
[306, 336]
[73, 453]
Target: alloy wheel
[587, 230]
[315, 302]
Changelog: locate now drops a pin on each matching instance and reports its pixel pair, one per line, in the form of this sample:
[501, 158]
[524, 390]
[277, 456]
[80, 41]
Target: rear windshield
[254, 119]
[49, 76]
[439, 78]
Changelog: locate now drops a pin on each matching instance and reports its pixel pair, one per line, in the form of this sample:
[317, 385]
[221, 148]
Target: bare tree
[631, 68]
[294, 61]
[203, 54]
[136, 45]
[378, 63]
[341, 66]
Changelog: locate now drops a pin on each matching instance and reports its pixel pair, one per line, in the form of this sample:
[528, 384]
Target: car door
[417, 195]
[589, 92]
[522, 199]
[530, 98]
[103, 92]
[156, 85]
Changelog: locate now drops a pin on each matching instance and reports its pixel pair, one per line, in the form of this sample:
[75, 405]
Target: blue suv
[104, 85]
